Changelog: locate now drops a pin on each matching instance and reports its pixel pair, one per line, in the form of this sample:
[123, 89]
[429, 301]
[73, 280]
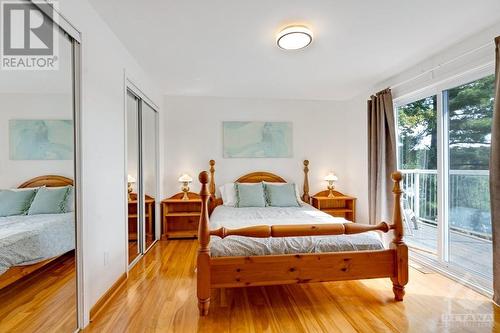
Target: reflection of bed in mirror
[30, 242]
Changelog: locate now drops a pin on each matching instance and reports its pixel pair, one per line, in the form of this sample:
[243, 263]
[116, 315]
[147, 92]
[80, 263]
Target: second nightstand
[339, 206]
[180, 218]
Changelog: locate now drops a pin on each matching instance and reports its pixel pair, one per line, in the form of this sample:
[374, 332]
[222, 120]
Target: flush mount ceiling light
[294, 37]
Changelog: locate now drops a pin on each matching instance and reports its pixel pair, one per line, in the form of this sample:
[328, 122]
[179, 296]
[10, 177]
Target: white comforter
[231, 217]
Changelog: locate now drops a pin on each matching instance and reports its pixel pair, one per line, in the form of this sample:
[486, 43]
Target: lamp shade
[331, 177]
[185, 178]
[130, 179]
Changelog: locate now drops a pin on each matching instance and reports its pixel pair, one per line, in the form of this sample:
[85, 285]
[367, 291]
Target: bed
[30, 242]
[243, 247]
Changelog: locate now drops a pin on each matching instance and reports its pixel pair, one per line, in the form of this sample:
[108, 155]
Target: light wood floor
[159, 296]
[44, 301]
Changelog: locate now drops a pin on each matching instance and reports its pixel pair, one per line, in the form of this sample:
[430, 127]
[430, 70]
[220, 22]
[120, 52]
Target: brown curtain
[495, 180]
[381, 156]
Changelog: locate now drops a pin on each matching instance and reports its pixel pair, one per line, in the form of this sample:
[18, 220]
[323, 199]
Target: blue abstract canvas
[41, 139]
[257, 139]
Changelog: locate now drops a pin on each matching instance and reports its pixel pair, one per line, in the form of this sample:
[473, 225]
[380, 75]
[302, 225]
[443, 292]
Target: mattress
[231, 217]
[28, 239]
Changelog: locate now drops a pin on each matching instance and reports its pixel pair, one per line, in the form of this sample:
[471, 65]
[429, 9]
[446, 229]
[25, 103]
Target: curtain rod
[427, 71]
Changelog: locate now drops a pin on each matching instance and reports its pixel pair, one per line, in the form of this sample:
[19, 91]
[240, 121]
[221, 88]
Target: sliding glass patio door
[444, 142]
[468, 110]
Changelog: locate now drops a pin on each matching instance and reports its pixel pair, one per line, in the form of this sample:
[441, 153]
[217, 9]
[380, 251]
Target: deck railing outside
[469, 203]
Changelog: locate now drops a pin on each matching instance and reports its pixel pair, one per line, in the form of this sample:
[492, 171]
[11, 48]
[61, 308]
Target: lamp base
[129, 190]
[185, 189]
[331, 195]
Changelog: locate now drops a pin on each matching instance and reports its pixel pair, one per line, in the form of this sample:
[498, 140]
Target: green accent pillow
[70, 200]
[16, 202]
[250, 195]
[50, 200]
[282, 195]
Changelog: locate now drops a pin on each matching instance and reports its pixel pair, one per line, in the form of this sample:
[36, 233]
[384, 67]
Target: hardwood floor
[159, 296]
[44, 301]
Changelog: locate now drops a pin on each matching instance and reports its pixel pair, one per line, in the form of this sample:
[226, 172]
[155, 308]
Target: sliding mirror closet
[39, 112]
[142, 174]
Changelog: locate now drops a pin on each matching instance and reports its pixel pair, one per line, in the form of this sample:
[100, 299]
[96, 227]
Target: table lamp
[185, 179]
[331, 178]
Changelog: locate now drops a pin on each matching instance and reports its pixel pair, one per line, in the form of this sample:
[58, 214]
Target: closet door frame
[131, 87]
[75, 37]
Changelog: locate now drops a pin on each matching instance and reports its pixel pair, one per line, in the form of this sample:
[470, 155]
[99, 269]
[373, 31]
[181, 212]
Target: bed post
[400, 278]
[306, 197]
[203, 260]
[212, 179]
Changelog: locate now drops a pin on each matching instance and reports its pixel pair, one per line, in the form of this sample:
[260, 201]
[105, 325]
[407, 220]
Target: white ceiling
[227, 47]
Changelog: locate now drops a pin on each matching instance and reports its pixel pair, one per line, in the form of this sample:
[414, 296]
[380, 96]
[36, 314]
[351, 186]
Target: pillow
[70, 200]
[297, 192]
[250, 195]
[50, 200]
[16, 202]
[228, 194]
[282, 195]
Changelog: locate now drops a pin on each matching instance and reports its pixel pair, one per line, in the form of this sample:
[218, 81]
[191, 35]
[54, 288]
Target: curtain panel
[381, 155]
[495, 180]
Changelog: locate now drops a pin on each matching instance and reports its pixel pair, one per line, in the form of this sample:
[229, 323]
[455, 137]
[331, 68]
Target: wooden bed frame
[247, 271]
[17, 272]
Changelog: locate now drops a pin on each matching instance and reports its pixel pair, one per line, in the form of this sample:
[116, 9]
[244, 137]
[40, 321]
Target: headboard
[49, 181]
[257, 177]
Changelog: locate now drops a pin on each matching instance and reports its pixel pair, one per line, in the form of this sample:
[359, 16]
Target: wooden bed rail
[297, 230]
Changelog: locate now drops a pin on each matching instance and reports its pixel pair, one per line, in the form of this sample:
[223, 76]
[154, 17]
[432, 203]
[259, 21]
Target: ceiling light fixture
[294, 37]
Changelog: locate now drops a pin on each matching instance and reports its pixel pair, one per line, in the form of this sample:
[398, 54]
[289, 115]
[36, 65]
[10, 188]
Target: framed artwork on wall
[257, 139]
[41, 139]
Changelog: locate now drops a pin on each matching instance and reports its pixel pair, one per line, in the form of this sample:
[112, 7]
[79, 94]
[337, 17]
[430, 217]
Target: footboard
[228, 272]
[221, 272]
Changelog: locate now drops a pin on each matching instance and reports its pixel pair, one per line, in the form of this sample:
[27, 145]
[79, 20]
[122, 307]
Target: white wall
[104, 61]
[325, 132]
[31, 106]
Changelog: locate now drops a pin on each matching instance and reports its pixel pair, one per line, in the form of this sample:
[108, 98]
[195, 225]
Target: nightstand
[180, 218]
[340, 205]
[132, 215]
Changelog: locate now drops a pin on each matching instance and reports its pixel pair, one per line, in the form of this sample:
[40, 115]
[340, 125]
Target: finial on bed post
[400, 278]
[212, 179]
[203, 260]
[306, 196]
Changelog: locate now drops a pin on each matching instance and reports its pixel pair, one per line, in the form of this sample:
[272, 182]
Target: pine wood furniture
[339, 206]
[149, 204]
[181, 217]
[17, 272]
[227, 272]
[157, 298]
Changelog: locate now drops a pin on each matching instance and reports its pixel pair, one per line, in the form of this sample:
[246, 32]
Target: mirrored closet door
[142, 175]
[38, 184]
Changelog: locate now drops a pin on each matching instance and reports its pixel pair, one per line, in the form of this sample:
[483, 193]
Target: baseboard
[99, 305]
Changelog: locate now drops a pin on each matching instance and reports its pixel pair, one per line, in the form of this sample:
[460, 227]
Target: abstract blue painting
[41, 139]
[257, 139]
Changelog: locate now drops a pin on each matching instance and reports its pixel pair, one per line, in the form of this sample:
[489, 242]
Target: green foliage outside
[470, 110]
